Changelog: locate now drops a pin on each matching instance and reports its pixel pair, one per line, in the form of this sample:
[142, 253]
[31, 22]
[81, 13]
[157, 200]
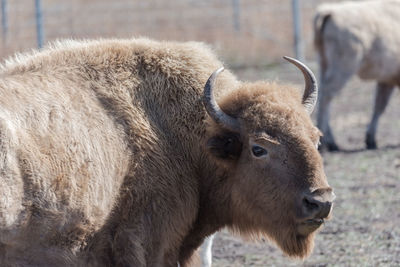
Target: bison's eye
[258, 151]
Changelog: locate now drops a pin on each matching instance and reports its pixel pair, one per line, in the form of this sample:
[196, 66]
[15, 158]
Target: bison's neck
[214, 210]
[163, 118]
[165, 130]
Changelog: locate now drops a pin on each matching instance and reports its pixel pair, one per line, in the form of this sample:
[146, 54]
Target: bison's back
[363, 34]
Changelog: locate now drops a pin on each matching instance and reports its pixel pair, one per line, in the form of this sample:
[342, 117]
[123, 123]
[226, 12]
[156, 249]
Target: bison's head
[263, 137]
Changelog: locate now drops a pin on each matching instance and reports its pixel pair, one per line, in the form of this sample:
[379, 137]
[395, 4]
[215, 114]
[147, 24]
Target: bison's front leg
[382, 96]
[128, 249]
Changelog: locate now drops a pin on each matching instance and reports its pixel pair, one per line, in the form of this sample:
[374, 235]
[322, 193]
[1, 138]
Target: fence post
[39, 23]
[298, 41]
[236, 15]
[4, 19]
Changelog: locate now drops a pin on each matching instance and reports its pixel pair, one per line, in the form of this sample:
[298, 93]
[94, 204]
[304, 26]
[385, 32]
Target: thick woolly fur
[109, 159]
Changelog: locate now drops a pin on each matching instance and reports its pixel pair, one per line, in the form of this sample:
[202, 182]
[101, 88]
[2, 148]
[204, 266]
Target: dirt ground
[365, 228]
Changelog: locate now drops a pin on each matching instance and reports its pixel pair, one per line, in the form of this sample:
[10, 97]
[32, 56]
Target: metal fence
[245, 32]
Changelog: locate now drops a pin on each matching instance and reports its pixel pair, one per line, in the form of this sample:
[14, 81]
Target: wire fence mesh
[247, 32]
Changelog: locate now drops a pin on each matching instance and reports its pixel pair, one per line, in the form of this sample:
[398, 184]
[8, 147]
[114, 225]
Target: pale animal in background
[357, 38]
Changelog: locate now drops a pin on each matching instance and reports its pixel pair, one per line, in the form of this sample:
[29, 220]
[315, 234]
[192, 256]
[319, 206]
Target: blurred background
[251, 36]
[244, 32]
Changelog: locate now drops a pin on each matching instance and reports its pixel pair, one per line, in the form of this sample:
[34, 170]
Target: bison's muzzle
[315, 208]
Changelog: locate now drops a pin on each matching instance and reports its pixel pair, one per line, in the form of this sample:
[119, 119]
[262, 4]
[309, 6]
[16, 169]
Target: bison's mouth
[309, 226]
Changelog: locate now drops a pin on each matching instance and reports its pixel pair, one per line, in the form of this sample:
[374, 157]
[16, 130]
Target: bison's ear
[225, 146]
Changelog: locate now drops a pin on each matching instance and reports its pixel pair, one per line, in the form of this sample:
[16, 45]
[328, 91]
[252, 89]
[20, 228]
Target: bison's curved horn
[311, 88]
[212, 107]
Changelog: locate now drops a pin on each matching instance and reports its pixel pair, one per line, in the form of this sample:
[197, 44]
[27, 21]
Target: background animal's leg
[382, 95]
[339, 59]
[331, 83]
[206, 252]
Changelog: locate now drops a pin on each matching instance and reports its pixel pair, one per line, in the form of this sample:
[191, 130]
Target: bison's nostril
[315, 207]
[310, 205]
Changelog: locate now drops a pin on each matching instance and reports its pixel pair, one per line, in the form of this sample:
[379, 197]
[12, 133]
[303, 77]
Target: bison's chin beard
[287, 238]
[296, 245]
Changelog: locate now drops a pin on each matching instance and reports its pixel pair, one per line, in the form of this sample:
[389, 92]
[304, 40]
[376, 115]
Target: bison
[357, 38]
[128, 153]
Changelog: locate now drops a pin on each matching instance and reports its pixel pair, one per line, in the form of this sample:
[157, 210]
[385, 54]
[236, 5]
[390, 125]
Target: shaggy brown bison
[121, 153]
